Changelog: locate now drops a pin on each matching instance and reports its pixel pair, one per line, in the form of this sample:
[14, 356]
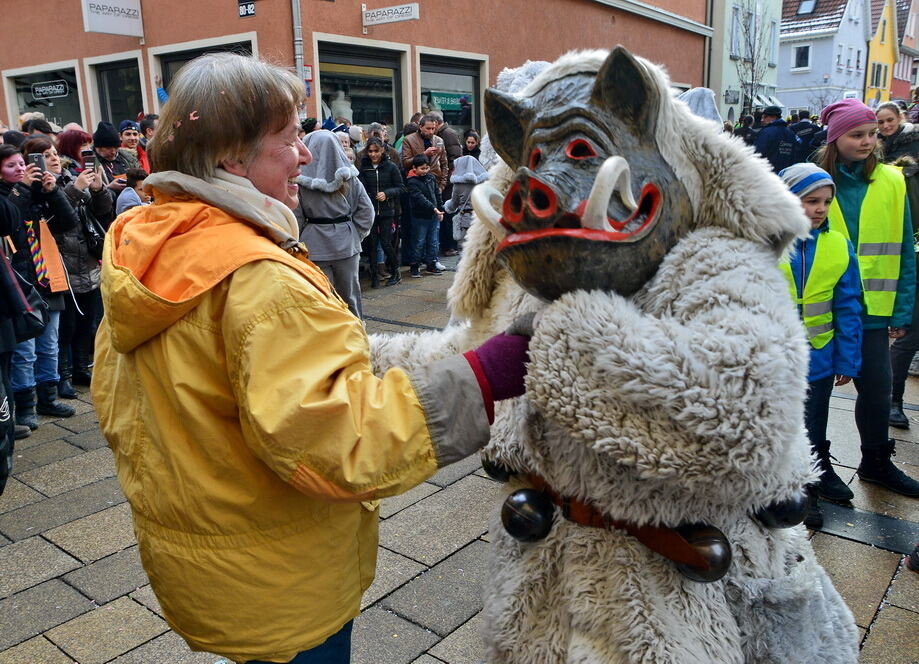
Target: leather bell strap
[662, 540]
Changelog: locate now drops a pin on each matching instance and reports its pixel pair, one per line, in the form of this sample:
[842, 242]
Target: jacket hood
[468, 170]
[159, 260]
[701, 102]
[330, 167]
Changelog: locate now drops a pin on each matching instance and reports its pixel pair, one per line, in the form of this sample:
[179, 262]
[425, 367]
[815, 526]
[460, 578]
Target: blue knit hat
[803, 178]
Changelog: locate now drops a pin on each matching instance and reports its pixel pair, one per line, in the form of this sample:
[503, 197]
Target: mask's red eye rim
[580, 149]
[535, 159]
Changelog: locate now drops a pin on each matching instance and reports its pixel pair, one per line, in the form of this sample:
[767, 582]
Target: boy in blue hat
[824, 281]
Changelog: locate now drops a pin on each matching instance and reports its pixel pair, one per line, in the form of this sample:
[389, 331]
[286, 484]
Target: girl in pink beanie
[871, 210]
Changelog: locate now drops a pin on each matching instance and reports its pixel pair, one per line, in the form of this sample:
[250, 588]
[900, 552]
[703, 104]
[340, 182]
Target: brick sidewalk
[72, 588]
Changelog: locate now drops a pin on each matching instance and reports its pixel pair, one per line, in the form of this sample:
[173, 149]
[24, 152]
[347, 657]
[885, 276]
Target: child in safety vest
[872, 211]
[823, 278]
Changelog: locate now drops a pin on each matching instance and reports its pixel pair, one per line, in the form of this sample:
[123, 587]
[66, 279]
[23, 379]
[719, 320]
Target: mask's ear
[626, 89]
[507, 119]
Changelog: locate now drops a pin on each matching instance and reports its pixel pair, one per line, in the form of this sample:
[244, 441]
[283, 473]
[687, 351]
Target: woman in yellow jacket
[235, 388]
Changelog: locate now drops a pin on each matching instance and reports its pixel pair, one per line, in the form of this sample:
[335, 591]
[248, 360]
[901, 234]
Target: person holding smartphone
[112, 160]
[42, 207]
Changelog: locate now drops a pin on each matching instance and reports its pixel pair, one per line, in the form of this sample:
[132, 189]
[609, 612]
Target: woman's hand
[48, 182]
[32, 174]
[84, 180]
[381, 196]
[842, 380]
[896, 332]
[95, 182]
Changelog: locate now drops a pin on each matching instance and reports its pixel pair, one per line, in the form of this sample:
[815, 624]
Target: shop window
[171, 63]
[451, 86]
[55, 93]
[361, 85]
[119, 91]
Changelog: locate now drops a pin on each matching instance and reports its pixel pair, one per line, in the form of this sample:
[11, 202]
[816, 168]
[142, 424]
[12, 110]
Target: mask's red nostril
[513, 204]
[542, 200]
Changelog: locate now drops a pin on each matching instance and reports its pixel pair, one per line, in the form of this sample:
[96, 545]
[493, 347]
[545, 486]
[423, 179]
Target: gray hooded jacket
[329, 189]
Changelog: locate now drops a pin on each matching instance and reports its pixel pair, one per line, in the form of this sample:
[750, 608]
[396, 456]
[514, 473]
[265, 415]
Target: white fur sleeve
[720, 361]
[413, 350]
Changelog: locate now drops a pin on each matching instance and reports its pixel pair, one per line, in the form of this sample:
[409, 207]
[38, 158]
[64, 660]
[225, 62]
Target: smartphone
[89, 160]
[38, 159]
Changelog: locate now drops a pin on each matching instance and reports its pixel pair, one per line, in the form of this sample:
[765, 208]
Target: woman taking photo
[872, 211]
[34, 373]
[76, 330]
[900, 142]
[235, 387]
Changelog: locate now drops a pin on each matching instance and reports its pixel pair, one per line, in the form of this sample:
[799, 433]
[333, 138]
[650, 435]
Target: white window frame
[92, 80]
[858, 60]
[483, 61]
[849, 55]
[153, 60]
[8, 75]
[773, 43]
[839, 50]
[408, 103]
[883, 30]
[794, 57]
[735, 45]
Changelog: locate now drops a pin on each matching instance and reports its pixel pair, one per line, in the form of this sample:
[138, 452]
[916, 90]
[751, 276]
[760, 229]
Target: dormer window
[807, 7]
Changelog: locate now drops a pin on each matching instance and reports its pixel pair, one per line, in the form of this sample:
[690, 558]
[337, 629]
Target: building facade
[745, 48]
[904, 72]
[823, 52]
[883, 52]
[438, 54]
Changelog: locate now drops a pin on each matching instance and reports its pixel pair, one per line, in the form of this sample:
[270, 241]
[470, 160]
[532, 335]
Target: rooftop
[826, 15]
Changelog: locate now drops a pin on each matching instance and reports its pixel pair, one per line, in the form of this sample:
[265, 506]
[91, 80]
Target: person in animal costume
[656, 465]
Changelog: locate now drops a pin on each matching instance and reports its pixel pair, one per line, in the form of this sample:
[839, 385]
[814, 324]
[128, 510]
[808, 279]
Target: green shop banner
[448, 101]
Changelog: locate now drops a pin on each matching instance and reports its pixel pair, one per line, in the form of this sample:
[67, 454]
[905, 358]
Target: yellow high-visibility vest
[831, 258]
[880, 237]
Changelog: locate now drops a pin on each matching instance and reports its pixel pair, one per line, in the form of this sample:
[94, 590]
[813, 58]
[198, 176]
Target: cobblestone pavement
[72, 588]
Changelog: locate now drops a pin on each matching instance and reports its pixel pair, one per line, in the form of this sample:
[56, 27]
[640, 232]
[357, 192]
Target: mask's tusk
[486, 201]
[613, 174]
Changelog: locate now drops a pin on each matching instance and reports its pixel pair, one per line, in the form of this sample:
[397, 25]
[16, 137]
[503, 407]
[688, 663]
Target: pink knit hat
[841, 116]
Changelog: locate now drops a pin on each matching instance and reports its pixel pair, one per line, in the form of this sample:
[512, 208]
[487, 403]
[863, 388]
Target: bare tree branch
[751, 52]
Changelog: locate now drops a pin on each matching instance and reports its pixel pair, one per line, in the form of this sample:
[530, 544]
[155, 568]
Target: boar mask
[593, 204]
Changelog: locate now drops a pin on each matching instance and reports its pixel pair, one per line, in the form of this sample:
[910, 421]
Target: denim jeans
[335, 650]
[426, 241]
[817, 409]
[35, 360]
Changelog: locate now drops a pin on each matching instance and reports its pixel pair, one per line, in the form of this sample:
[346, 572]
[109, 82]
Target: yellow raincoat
[235, 390]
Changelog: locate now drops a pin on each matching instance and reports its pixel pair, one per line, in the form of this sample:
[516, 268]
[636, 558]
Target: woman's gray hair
[220, 107]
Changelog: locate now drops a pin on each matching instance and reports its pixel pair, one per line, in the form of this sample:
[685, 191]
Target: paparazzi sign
[114, 17]
[405, 12]
[50, 89]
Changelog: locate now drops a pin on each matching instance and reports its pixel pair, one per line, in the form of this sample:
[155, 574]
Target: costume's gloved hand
[500, 363]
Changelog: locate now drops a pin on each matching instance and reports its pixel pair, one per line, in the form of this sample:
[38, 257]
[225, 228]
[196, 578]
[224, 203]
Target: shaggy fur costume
[682, 403]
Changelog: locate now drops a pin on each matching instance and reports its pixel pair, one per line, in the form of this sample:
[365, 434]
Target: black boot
[25, 408]
[830, 487]
[897, 418]
[82, 374]
[48, 403]
[877, 467]
[64, 386]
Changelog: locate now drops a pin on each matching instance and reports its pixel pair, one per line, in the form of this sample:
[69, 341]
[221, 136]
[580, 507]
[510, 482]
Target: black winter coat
[386, 178]
[34, 204]
[84, 270]
[424, 194]
[904, 143]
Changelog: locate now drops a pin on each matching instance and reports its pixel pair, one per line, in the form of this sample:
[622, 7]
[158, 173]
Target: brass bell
[527, 515]
[712, 545]
[785, 513]
[495, 470]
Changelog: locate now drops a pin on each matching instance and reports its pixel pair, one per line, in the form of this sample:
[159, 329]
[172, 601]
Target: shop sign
[406, 12]
[50, 89]
[246, 8]
[114, 17]
[447, 101]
